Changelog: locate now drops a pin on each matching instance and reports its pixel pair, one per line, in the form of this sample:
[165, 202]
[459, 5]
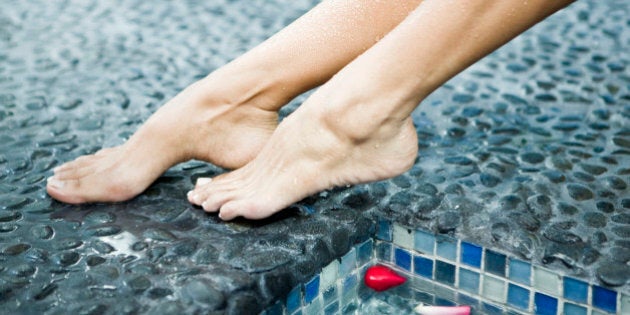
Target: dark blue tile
[364, 252]
[495, 263]
[443, 302]
[518, 297]
[545, 304]
[604, 299]
[471, 254]
[275, 309]
[467, 300]
[444, 272]
[423, 267]
[520, 271]
[402, 258]
[575, 290]
[332, 309]
[490, 309]
[294, 300]
[446, 248]
[469, 280]
[384, 231]
[384, 251]
[572, 309]
[311, 290]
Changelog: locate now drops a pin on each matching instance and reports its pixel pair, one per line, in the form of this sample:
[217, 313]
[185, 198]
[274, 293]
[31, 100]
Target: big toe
[62, 190]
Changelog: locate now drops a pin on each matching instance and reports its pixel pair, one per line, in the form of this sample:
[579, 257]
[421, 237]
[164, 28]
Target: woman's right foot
[201, 122]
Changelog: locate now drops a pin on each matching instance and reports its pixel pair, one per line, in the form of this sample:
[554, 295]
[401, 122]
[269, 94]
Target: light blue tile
[424, 242]
[384, 251]
[364, 252]
[446, 248]
[575, 290]
[573, 309]
[518, 297]
[520, 271]
[294, 300]
[348, 263]
[469, 280]
[350, 283]
[330, 295]
[403, 237]
[384, 230]
[315, 308]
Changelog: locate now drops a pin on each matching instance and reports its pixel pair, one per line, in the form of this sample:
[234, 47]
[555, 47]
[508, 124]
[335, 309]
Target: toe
[202, 181]
[244, 208]
[214, 201]
[62, 190]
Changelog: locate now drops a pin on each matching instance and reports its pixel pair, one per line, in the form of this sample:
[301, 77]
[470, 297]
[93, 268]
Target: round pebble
[613, 274]
[532, 157]
[579, 192]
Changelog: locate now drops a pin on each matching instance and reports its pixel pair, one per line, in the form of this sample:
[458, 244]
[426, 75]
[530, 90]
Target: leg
[227, 117]
[357, 127]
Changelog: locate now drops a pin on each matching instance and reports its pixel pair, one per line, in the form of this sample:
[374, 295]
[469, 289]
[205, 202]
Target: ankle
[238, 85]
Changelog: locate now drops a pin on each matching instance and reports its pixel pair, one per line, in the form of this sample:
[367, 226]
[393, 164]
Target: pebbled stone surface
[527, 152]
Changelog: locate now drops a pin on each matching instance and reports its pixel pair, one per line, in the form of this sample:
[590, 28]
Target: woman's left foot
[311, 150]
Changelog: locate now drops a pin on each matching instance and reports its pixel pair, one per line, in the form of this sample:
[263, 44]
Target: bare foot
[311, 150]
[200, 123]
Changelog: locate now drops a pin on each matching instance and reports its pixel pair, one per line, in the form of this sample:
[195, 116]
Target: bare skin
[357, 127]
[226, 118]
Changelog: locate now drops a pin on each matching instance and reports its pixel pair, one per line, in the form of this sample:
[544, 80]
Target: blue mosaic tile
[311, 289]
[575, 290]
[520, 271]
[384, 251]
[348, 263]
[471, 254]
[572, 309]
[275, 309]
[364, 252]
[604, 299]
[545, 304]
[332, 308]
[384, 230]
[294, 299]
[402, 258]
[518, 297]
[424, 242]
[330, 295]
[349, 283]
[464, 299]
[314, 308]
[445, 272]
[423, 267]
[468, 280]
[495, 263]
[443, 302]
[446, 248]
[489, 309]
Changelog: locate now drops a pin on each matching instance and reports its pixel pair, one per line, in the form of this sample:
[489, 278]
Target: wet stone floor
[527, 152]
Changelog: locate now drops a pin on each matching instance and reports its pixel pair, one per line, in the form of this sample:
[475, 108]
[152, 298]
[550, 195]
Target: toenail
[203, 180]
[55, 182]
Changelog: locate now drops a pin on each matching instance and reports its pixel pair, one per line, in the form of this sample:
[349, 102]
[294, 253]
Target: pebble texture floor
[528, 152]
